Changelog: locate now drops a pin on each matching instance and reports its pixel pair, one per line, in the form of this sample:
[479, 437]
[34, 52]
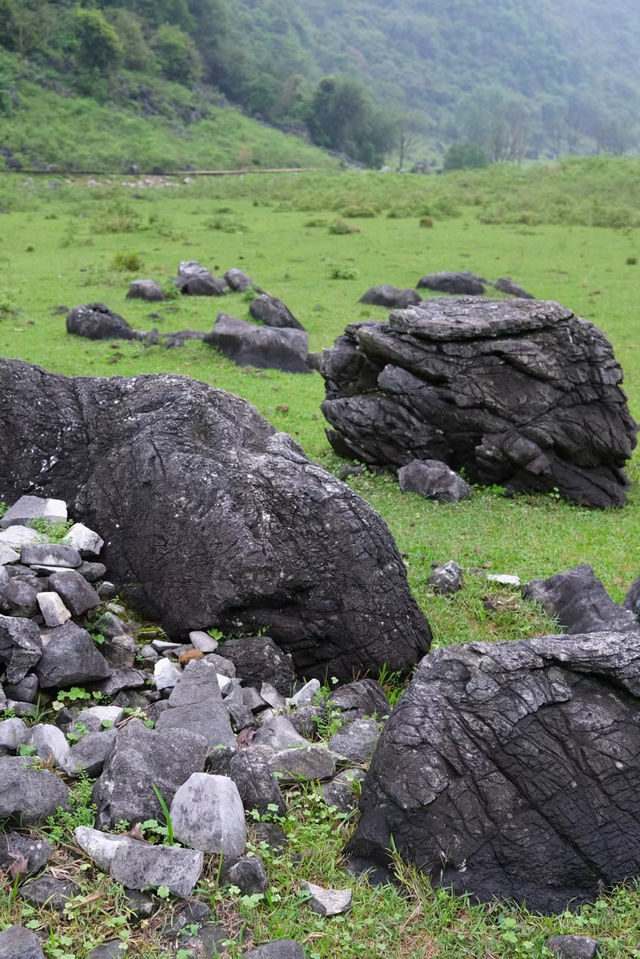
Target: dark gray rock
[513, 770]
[238, 280]
[272, 312]
[89, 755]
[97, 322]
[306, 719]
[462, 283]
[49, 892]
[140, 758]
[520, 393]
[580, 603]
[15, 848]
[506, 285]
[265, 534]
[240, 715]
[16, 942]
[262, 346]
[248, 874]
[145, 290]
[26, 690]
[195, 280]
[279, 949]
[341, 791]
[446, 579]
[433, 479]
[272, 834]
[258, 787]
[278, 733]
[20, 647]
[92, 572]
[75, 591]
[303, 762]
[573, 947]
[258, 660]
[17, 597]
[195, 704]
[390, 296]
[114, 949]
[356, 741]
[357, 700]
[122, 679]
[70, 657]
[28, 793]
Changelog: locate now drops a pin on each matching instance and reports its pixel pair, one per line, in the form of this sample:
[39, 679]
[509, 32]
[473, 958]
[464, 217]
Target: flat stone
[165, 674]
[573, 947]
[53, 610]
[29, 793]
[122, 679]
[503, 579]
[327, 902]
[145, 289]
[114, 949]
[446, 579]
[18, 597]
[18, 536]
[14, 847]
[50, 554]
[306, 762]
[49, 892]
[434, 480]
[8, 555]
[97, 718]
[34, 507]
[139, 865]
[207, 813]
[16, 942]
[278, 949]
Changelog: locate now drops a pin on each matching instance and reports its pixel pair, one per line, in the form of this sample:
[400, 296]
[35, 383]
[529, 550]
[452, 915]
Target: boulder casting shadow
[211, 517]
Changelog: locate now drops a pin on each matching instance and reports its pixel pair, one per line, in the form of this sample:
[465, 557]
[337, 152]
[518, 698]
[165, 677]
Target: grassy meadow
[568, 232]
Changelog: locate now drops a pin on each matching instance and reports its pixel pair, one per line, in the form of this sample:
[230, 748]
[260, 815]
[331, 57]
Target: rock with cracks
[513, 770]
[267, 347]
[174, 472]
[97, 322]
[519, 393]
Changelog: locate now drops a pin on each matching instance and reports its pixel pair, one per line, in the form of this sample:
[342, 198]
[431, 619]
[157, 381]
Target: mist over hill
[499, 79]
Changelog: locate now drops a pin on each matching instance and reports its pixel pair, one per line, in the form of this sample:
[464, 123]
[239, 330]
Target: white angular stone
[225, 683]
[503, 579]
[306, 694]
[54, 611]
[17, 536]
[327, 902]
[99, 846]
[34, 507]
[95, 717]
[271, 696]
[165, 674]
[202, 641]
[84, 540]
[8, 555]
[207, 813]
[13, 732]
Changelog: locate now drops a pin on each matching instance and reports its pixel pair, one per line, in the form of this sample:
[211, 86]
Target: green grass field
[57, 248]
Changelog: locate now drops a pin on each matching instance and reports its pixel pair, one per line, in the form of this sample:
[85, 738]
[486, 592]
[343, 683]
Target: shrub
[339, 271]
[358, 210]
[124, 262]
[340, 227]
[426, 221]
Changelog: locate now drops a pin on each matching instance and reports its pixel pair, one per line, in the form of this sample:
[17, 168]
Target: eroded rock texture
[513, 769]
[210, 517]
[521, 393]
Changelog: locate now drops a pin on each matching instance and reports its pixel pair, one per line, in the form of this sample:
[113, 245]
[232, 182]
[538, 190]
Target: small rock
[16, 942]
[196, 704]
[327, 902]
[69, 657]
[573, 947]
[32, 794]
[279, 733]
[26, 690]
[272, 697]
[446, 579]
[122, 679]
[207, 813]
[114, 949]
[76, 593]
[257, 785]
[8, 555]
[13, 732]
[20, 647]
[307, 762]
[145, 290]
[278, 949]
[306, 694]
[364, 697]
[32, 853]
[433, 479]
[18, 536]
[50, 743]
[249, 875]
[356, 741]
[50, 892]
[98, 718]
[165, 674]
[89, 755]
[53, 610]
[202, 641]
[503, 579]
[341, 792]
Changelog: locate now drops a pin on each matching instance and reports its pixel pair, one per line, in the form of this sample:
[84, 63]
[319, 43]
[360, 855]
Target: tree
[463, 156]
[177, 55]
[98, 46]
[341, 117]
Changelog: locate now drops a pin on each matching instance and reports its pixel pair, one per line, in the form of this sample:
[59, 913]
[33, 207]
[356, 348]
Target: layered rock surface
[521, 393]
[179, 476]
[513, 769]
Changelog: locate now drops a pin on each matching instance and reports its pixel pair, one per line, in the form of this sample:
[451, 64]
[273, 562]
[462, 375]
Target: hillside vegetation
[510, 78]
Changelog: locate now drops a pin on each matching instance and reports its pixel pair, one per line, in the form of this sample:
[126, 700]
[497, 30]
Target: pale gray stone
[503, 579]
[307, 694]
[16, 942]
[95, 718]
[18, 536]
[271, 696]
[90, 753]
[356, 741]
[8, 555]
[34, 507]
[84, 540]
[53, 610]
[202, 641]
[279, 733]
[50, 554]
[207, 813]
[50, 742]
[13, 732]
[327, 902]
[165, 674]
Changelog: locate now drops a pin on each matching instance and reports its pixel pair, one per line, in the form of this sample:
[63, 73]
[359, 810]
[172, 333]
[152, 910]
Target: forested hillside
[470, 80]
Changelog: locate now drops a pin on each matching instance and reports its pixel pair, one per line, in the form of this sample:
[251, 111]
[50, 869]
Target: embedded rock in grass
[264, 346]
[278, 949]
[171, 470]
[573, 947]
[145, 290]
[519, 393]
[140, 759]
[462, 283]
[97, 322]
[434, 480]
[16, 942]
[327, 902]
[513, 770]
[257, 785]
[446, 579]
[30, 795]
[273, 312]
[238, 280]
[506, 285]
[49, 892]
[390, 296]
[195, 280]
[32, 854]
[580, 603]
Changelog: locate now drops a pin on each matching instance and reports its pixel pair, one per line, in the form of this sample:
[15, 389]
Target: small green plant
[52, 531]
[165, 813]
[3, 508]
[127, 262]
[360, 210]
[27, 750]
[79, 730]
[426, 221]
[631, 260]
[339, 271]
[342, 228]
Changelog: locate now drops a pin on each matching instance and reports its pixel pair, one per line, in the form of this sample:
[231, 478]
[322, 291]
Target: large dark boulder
[211, 517]
[97, 322]
[513, 770]
[519, 393]
[461, 284]
[263, 346]
[390, 296]
[273, 312]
